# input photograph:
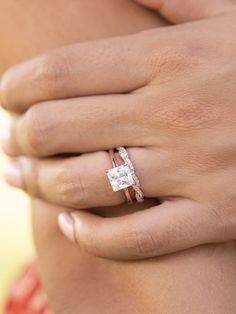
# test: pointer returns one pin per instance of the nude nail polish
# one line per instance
(6, 141)
(67, 226)
(13, 174)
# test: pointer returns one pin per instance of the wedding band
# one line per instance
(112, 173)
(136, 186)
(123, 176)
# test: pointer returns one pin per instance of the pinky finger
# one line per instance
(172, 226)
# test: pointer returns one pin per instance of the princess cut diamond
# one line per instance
(120, 177)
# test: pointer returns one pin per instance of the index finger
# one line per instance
(114, 65)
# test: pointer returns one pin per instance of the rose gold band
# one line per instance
(136, 186)
(115, 164)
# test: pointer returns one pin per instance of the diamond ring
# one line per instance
(123, 176)
(119, 177)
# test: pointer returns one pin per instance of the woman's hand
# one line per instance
(169, 95)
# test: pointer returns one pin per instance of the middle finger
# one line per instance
(77, 125)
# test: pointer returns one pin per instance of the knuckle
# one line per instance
(37, 132)
(185, 108)
(174, 60)
(71, 188)
(189, 113)
(183, 112)
(49, 74)
(185, 56)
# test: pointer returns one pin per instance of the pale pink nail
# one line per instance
(67, 226)
(6, 140)
(13, 173)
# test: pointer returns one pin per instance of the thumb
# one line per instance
(182, 11)
(166, 228)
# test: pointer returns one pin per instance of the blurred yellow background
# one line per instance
(16, 247)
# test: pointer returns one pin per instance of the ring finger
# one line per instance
(81, 182)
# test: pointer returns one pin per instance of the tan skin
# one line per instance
(79, 283)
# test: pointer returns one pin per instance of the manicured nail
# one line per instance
(67, 226)
(6, 140)
(13, 174)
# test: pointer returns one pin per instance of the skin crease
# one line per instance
(78, 283)
(164, 98)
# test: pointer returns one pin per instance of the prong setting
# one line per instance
(120, 177)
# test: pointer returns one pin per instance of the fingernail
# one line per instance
(67, 226)
(6, 140)
(13, 173)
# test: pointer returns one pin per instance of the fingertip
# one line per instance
(13, 88)
(1, 102)
(4, 85)
(6, 140)
(13, 174)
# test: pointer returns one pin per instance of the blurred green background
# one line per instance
(16, 248)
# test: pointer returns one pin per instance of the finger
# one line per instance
(114, 65)
(77, 125)
(76, 182)
(172, 226)
(182, 11)
(82, 182)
